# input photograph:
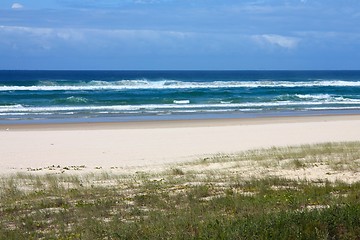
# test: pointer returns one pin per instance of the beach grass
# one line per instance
(259, 194)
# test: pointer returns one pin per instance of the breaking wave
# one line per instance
(174, 84)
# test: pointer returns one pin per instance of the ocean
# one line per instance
(97, 96)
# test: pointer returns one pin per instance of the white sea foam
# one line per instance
(327, 98)
(181, 101)
(315, 96)
(11, 106)
(20, 114)
(74, 99)
(26, 113)
(170, 107)
(172, 84)
(332, 108)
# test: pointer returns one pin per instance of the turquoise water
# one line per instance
(135, 95)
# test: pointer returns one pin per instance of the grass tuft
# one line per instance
(177, 171)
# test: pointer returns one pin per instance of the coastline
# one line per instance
(139, 123)
(120, 146)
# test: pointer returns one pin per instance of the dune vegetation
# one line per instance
(301, 192)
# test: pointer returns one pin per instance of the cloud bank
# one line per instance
(202, 34)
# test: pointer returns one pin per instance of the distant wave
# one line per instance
(314, 96)
(173, 84)
(13, 106)
(325, 98)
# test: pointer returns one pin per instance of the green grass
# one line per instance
(208, 199)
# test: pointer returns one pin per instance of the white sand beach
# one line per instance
(155, 143)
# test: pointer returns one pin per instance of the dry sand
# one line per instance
(150, 144)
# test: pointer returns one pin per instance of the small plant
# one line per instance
(297, 163)
(177, 171)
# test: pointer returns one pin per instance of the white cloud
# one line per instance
(42, 32)
(78, 33)
(17, 6)
(43, 38)
(277, 40)
(47, 38)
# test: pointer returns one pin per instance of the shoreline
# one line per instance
(177, 123)
(177, 117)
(151, 144)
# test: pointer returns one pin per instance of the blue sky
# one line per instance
(180, 34)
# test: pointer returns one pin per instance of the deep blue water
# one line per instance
(134, 95)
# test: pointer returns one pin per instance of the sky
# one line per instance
(180, 34)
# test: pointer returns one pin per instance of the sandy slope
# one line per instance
(122, 145)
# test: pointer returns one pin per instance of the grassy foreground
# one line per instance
(249, 195)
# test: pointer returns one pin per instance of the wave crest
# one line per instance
(73, 100)
(174, 84)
